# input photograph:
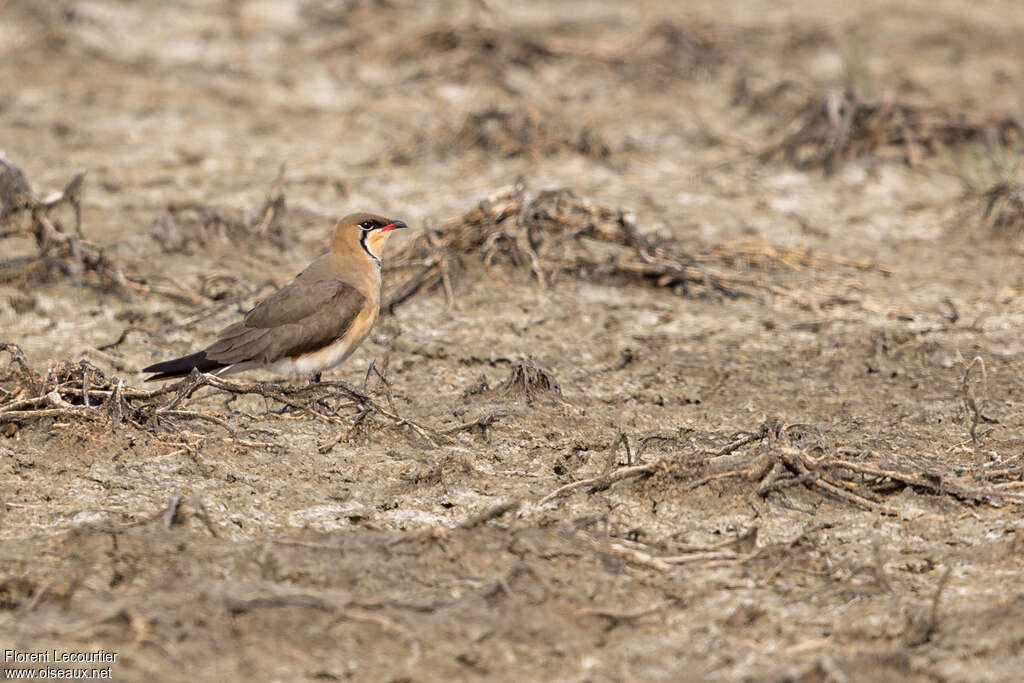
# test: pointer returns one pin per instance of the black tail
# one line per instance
(179, 367)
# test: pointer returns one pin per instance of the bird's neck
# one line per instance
(354, 266)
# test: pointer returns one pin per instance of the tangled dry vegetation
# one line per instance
(778, 455)
(60, 248)
(827, 130)
(1004, 210)
(77, 395)
(651, 57)
(525, 132)
(556, 235)
(506, 132)
(529, 380)
(193, 227)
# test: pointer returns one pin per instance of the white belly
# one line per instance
(331, 355)
(318, 361)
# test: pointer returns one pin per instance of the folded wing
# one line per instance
(303, 317)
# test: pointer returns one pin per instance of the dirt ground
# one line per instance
(707, 417)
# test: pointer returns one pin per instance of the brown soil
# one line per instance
(706, 415)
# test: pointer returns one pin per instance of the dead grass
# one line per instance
(1004, 210)
(528, 380)
(530, 132)
(661, 54)
(667, 52)
(191, 228)
(826, 131)
(525, 131)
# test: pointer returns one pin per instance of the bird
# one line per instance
(311, 324)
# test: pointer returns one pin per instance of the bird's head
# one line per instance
(365, 232)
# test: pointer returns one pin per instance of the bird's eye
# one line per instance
(366, 225)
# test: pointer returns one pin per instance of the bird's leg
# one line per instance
(366, 380)
(231, 399)
(314, 379)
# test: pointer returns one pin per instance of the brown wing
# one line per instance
(304, 316)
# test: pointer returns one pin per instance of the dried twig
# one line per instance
(974, 393)
(604, 481)
(921, 628)
(171, 511)
(490, 514)
(482, 423)
(314, 392)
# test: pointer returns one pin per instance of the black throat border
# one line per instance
(366, 248)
